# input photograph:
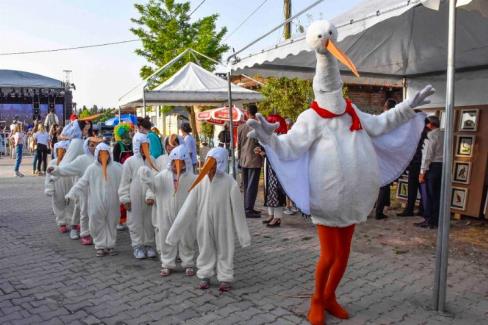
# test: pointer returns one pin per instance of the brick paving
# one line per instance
(46, 278)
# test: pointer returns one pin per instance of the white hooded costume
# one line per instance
(57, 187)
(161, 188)
(76, 169)
(329, 170)
(217, 207)
(132, 191)
(103, 207)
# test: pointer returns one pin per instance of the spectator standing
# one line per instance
(51, 120)
(155, 145)
(431, 172)
(41, 140)
(53, 136)
(18, 141)
(191, 144)
(251, 163)
(224, 137)
(33, 147)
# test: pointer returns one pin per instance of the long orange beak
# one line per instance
(341, 56)
(60, 154)
(209, 164)
(104, 156)
(179, 168)
(147, 155)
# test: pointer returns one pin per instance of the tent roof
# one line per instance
(23, 79)
(387, 39)
(191, 85)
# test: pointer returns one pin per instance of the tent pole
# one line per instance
(231, 127)
(144, 101)
(445, 199)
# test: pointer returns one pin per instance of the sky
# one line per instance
(102, 75)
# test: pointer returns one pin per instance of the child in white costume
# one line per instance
(77, 168)
(102, 180)
(217, 207)
(57, 187)
(169, 189)
(132, 194)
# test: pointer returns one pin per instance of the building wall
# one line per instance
(371, 98)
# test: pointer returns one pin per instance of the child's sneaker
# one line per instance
(204, 284)
(225, 287)
(86, 240)
(164, 272)
(139, 253)
(189, 271)
(150, 252)
(63, 229)
(74, 233)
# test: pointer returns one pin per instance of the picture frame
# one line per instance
(442, 119)
(465, 145)
(468, 120)
(459, 198)
(402, 189)
(461, 172)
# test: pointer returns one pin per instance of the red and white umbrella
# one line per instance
(220, 116)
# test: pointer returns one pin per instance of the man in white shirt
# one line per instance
(431, 171)
(50, 120)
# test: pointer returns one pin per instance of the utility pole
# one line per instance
(287, 12)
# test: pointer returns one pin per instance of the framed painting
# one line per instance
(402, 189)
(468, 120)
(459, 198)
(461, 172)
(464, 145)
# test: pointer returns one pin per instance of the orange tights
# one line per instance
(335, 245)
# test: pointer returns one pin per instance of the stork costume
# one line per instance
(335, 158)
(132, 194)
(77, 168)
(170, 189)
(101, 179)
(57, 188)
(217, 207)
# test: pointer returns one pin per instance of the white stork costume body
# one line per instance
(101, 180)
(169, 190)
(132, 192)
(334, 159)
(217, 208)
(57, 187)
(77, 168)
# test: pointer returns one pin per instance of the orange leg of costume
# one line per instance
(335, 245)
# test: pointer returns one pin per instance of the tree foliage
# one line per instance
(285, 96)
(85, 112)
(165, 30)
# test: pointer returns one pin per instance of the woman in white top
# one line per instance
(41, 139)
(18, 138)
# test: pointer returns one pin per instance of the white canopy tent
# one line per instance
(191, 85)
(408, 40)
(389, 40)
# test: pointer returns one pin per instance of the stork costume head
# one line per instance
(102, 156)
(140, 147)
(216, 163)
(180, 163)
(90, 144)
(60, 149)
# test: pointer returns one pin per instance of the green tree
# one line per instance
(165, 30)
(85, 112)
(285, 96)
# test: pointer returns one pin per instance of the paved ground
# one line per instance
(47, 278)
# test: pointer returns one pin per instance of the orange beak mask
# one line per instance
(341, 56)
(210, 164)
(147, 155)
(104, 157)
(179, 167)
(60, 154)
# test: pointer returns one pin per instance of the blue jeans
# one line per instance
(34, 161)
(18, 153)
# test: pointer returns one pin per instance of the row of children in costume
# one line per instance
(168, 206)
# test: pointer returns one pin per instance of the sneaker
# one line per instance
(204, 284)
(63, 229)
(164, 272)
(139, 253)
(19, 174)
(150, 252)
(74, 233)
(189, 271)
(225, 286)
(100, 252)
(121, 227)
(86, 240)
(288, 212)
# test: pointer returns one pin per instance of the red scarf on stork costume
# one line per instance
(324, 113)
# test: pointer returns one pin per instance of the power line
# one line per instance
(201, 3)
(246, 19)
(69, 48)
